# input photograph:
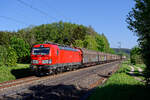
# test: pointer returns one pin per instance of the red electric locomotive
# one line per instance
(53, 58)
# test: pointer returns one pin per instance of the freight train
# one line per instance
(51, 58)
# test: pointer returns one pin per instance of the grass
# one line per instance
(136, 71)
(15, 72)
(121, 86)
(142, 66)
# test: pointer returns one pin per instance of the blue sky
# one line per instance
(105, 16)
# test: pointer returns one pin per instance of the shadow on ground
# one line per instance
(21, 73)
(70, 92)
(55, 92)
(121, 92)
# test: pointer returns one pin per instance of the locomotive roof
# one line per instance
(62, 47)
(67, 48)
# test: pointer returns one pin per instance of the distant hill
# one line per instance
(124, 50)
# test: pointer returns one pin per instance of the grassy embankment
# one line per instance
(122, 86)
(15, 72)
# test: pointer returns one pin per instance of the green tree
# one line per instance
(3, 55)
(100, 41)
(22, 49)
(65, 33)
(5, 36)
(91, 31)
(135, 56)
(78, 43)
(11, 57)
(103, 44)
(28, 35)
(106, 44)
(90, 43)
(139, 22)
(111, 51)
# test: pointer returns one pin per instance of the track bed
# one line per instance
(69, 85)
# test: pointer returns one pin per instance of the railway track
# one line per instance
(21, 86)
(15, 82)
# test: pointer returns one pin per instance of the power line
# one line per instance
(12, 19)
(36, 9)
(56, 10)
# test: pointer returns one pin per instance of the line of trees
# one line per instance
(15, 46)
(139, 22)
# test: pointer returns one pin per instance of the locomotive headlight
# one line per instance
(45, 61)
(50, 61)
(35, 61)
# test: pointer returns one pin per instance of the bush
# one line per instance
(135, 56)
(3, 54)
(90, 43)
(21, 48)
(11, 57)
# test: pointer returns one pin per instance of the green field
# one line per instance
(122, 86)
(15, 72)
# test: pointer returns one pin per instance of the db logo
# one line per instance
(40, 58)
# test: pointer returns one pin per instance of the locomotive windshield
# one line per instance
(41, 51)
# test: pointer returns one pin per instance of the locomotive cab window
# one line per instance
(40, 51)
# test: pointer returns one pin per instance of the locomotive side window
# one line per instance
(41, 51)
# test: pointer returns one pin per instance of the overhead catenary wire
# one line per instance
(36, 9)
(56, 10)
(13, 19)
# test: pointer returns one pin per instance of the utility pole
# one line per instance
(119, 45)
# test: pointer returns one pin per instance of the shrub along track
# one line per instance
(68, 85)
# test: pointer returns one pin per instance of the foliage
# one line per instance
(57, 32)
(111, 51)
(27, 35)
(66, 33)
(90, 43)
(12, 73)
(78, 43)
(21, 48)
(102, 42)
(122, 50)
(135, 56)
(121, 86)
(142, 66)
(3, 55)
(4, 37)
(138, 20)
(11, 59)
(8, 56)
